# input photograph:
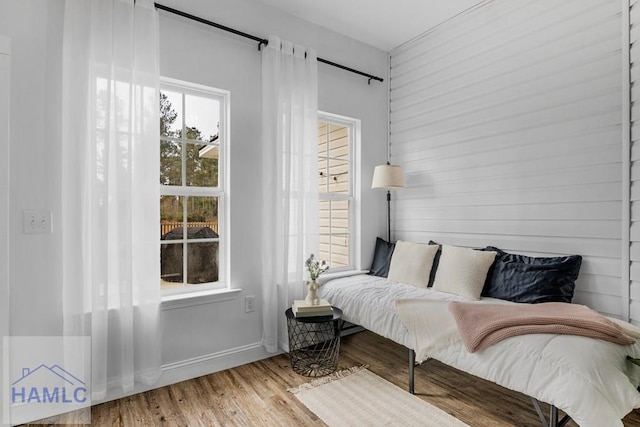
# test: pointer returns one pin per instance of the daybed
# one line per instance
(590, 380)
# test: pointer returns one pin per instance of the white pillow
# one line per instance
(462, 271)
(411, 263)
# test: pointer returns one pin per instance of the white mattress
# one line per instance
(369, 302)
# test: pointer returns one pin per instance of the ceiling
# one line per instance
(379, 23)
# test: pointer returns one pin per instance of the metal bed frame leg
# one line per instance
(412, 364)
(553, 416)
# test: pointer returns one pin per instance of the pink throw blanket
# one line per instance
(481, 325)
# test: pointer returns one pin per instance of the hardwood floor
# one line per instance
(256, 394)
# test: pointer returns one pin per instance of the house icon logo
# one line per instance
(48, 384)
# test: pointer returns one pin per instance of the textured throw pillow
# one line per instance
(526, 279)
(381, 258)
(411, 263)
(463, 271)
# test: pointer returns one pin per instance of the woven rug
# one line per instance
(358, 397)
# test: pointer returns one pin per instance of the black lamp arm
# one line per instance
(389, 215)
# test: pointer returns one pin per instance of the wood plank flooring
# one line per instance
(256, 394)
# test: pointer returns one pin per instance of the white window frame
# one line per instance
(221, 191)
(354, 126)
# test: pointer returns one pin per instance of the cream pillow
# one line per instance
(462, 271)
(411, 263)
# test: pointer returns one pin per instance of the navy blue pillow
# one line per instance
(521, 278)
(382, 258)
(434, 266)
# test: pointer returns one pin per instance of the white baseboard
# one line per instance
(184, 370)
(192, 368)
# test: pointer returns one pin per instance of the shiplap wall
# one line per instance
(634, 59)
(507, 122)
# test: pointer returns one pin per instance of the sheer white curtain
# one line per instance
(289, 179)
(110, 188)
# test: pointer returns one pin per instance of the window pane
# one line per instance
(170, 114)
(323, 175)
(340, 216)
(171, 265)
(322, 139)
(324, 217)
(338, 142)
(171, 227)
(325, 249)
(202, 217)
(339, 250)
(333, 158)
(202, 170)
(170, 163)
(338, 176)
(202, 118)
(121, 95)
(334, 232)
(202, 265)
(102, 103)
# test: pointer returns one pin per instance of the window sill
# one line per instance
(190, 299)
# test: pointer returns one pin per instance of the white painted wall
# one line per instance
(207, 337)
(507, 121)
(5, 68)
(204, 55)
(34, 275)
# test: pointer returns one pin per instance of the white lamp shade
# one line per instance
(388, 177)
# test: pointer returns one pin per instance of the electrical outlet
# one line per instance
(249, 303)
(36, 221)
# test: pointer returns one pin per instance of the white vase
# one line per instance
(312, 295)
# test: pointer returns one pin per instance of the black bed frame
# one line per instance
(552, 421)
(347, 328)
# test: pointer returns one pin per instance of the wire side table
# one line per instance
(314, 343)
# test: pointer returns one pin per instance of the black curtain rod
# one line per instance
(261, 41)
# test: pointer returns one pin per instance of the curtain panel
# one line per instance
(110, 188)
(289, 179)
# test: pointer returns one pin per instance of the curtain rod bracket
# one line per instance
(262, 42)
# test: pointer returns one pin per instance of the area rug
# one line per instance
(358, 397)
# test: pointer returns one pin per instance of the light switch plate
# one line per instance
(249, 304)
(36, 221)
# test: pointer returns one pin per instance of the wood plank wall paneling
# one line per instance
(507, 122)
(634, 254)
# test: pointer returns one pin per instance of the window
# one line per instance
(337, 137)
(193, 139)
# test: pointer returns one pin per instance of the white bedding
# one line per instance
(366, 301)
(588, 379)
